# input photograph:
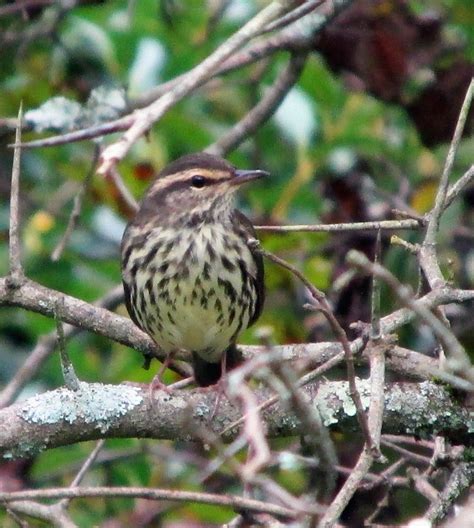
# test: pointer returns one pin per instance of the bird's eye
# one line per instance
(198, 181)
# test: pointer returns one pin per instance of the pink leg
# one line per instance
(220, 385)
(156, 382)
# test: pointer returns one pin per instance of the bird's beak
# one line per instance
(243, 176)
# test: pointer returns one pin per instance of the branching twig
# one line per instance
(462, 364)
(145, 118)
(440, 200)
(323, 305)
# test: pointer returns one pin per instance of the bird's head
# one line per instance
(195, 185)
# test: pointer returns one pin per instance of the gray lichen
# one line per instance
(93, 403)
(332, 403)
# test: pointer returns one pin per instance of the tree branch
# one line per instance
(145, 118)
(262, 110)
(62, 417)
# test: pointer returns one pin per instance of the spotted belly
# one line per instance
(195, 292)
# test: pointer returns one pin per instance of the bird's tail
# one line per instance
(206, 373)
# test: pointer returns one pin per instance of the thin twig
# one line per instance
(317, 437)
(375, 332)
(459, 186)
(292, 16)
(460, 361)
(428, 257)
(145, 118)
(84, 469)
(69, 374)
(440, 200)
(230, 501)
(262, 110)
(366, 458)
(76, 209)
(16, 269)
(125, 194)
(409, 455)
(341, 335)
(353, 226)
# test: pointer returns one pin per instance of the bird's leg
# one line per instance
(156, 382)
(220, 385)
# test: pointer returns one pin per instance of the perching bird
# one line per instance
(191, 279)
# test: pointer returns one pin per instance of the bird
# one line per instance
(193, 279)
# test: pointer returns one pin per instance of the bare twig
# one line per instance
(230, 501)
(117, 125)
(383, 225)
(461, 479)
(316, 435)
(375, 421)
(125, 194)
(409, 455)
(461, 364)
(375, 332)
(262, 110)
(440, 200)
(84, 469)
(69, 374)
(52, 514)
(428, 258)
(326, 310)
(16, 269)
(76, 209)
(459, 186)
(292, 16)
(145, 118)
(259, 452)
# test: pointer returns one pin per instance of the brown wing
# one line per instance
(243, 224)
(126, 250)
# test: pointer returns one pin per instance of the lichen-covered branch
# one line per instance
(62, 417)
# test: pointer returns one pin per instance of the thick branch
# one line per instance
(62, 417)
